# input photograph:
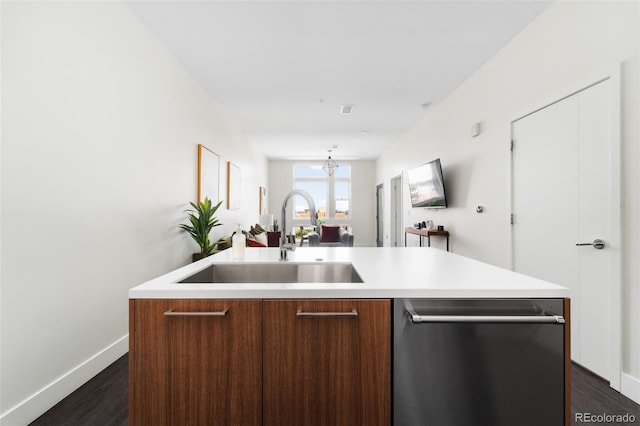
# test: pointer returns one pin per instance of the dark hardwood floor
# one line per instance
(592, 394)
(103, 400)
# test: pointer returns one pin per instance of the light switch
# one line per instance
(476, 129)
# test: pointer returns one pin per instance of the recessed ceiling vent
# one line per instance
(346, 109)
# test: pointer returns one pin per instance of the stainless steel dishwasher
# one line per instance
(487, 362)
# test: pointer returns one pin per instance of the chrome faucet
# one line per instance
(284, 245)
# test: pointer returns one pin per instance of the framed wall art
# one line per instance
(262, 200)
(208, 174)
(233, 186)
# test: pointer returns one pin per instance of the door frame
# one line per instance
(612, 73)
(395, 219)
(380, 217)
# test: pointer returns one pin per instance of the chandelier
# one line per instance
(330, 166)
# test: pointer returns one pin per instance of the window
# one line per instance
(332, 194)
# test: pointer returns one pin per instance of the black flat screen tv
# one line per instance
(426, 186)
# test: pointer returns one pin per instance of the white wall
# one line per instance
(566, 45)
(100, 127)
(363, 193)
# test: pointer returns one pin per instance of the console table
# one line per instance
(426, 233)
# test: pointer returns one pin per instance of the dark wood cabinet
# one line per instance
(195, 362)
(254, 362)
(326, 362)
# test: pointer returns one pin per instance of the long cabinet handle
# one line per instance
(509, 319)
(352, 313)
(172, 313)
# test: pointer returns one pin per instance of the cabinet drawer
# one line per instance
(326, 362)
(196, 362)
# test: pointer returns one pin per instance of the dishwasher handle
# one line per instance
(498, 319)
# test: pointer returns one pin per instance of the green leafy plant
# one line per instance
(202, 220)
(275, 224)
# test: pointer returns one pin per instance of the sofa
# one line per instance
(331, 236)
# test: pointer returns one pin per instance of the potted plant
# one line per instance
(202, 220)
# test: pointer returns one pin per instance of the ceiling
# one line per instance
(283, 69)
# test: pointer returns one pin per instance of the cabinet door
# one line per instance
(322, 367)
(196, 362)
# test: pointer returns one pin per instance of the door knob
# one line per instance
(597, 244)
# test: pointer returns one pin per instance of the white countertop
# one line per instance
(389, 272)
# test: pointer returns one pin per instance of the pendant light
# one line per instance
(330, 166)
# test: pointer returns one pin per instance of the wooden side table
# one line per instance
(426, 233)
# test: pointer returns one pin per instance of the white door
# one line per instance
(561, 167)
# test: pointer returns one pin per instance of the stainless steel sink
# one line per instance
(276, 273)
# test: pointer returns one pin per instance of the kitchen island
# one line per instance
(215, 347)
(387, 272)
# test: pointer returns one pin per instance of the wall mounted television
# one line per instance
(426, 186)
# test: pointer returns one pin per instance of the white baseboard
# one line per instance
(630, 387)
(41, 401)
